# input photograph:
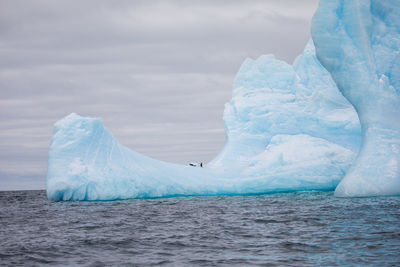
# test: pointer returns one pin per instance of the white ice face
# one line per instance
(288, 128)
(271, 97)
(359, 44)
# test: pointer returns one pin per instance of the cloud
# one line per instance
(157, 72)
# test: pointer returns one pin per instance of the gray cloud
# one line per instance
(157, 72)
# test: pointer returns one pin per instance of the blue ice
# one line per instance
(359, 44)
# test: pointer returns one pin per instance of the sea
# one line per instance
(292, 229)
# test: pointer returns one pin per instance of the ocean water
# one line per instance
(296, 229)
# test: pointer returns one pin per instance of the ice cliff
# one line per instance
(359, 43)
(288, 128)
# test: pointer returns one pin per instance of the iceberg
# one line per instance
(358, 42)
(288, 128)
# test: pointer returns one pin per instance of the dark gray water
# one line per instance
(297, 229)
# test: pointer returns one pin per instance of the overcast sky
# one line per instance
(157, 72)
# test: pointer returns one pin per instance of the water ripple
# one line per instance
(307, 229)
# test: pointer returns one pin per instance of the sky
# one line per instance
(158, 72)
